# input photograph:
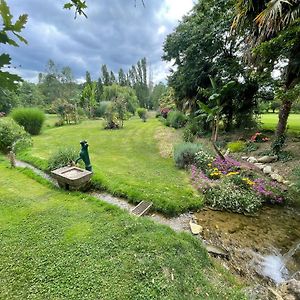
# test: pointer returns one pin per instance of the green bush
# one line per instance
(62, 157)
(31, 119)
(12, 136)
(185, 154)
(142, 113)
(237, 146)
(228, 196)
(188, 135)
(101, 109)
(176, 119)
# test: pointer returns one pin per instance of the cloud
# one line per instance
(116, 33)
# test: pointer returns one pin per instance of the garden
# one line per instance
(210, 156)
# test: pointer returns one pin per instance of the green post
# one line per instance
(84, 155)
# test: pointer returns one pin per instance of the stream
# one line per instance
(264, 250)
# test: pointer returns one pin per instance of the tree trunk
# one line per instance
(283, 117)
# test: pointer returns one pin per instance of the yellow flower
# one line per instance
(209, 165)
(232, 173)
(248, 181)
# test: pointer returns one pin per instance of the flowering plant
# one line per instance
(164, 112)
(259, 137)
(226, 166)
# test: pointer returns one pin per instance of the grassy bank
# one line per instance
(56, 245)
(126, 162)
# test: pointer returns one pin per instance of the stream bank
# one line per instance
(255, 243)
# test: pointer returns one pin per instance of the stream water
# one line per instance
(264, 248)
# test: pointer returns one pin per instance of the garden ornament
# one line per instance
(84, 155)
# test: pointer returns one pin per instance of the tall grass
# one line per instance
(31, 119)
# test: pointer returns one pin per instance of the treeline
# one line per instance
(57, 89)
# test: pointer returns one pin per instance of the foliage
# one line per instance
(188, 135)
(12, 136)
(31, 119)
(237, 146)
(8, 28)
(296, 174)
(185, 154)
(250, 147)
(157, 93)
(227, 196)
(88, 98)
(142, 113)
(111, 118)
(101, 109)
(62, 157)
(111, 92)
(164, 112)
(203, 159)
(66, 111)
(278, 144)
(176, 119)
(167, 99)
(259, 137)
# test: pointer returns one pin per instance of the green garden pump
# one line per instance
(84, 155)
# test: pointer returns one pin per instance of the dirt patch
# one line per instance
(167, 138)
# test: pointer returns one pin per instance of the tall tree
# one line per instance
(112, 77)
(105, 75)
(122, 78)
(99, 90)
(272, 34)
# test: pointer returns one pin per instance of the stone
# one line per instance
(260, 165)
(277, 177)
(286, 182)
(244, 157)
(267, 169)
(267, 159)
(195, 228)
(252, 160)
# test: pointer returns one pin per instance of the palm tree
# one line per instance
(267, 20)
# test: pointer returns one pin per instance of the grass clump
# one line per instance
(185, 154)
(176, 119)
(62, 157)
(31, 119)
(237, 146)
(12, 136)
(142, 113)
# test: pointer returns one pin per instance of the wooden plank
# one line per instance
(142, 208)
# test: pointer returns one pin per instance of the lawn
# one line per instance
(269, 121)
(126, 162)
(59, 245)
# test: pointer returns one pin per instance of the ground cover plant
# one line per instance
(71, 246)
(126, 162)
(228, 184)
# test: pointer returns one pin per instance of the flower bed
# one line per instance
(228, 184)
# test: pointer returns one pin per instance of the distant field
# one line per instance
(269, 121)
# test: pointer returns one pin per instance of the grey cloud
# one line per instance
(116, 33)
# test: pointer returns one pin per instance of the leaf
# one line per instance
(68, 6)
(4, 60)
(21, 38)
(9, 81)
(5, 13)
(3, 38)
(20, 24)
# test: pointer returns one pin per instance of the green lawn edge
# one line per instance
(65, 245)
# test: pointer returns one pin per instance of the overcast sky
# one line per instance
(115, 33)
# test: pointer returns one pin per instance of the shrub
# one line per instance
(203, 160)
(185, 154)
(188, 135)
(12, 136)
(101, 109)
(227, 196)
(177, 119)
(31, 119)
(62, 157)
(237, 146)
(142, 113)
(164, 112)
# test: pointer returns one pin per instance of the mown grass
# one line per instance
(126, 162)
(269, 122)
(57, 245)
